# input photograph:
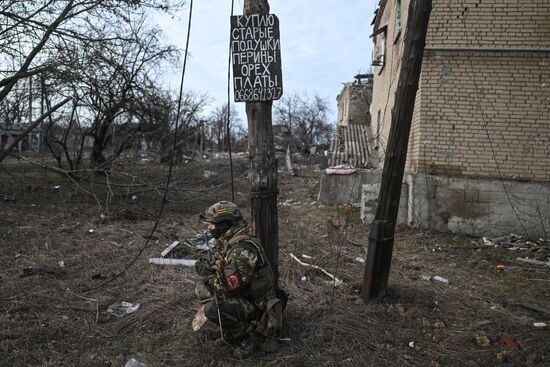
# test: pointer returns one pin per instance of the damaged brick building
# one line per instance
(479, 149)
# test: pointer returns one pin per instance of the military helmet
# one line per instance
(222, 211)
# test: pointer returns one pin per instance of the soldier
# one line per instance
(236, 286)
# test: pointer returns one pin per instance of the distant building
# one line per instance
(9, 133)
(350, 144)
(479, 150)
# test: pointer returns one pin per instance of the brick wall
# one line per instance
(484, 114)
(490, 23)
(477, 113)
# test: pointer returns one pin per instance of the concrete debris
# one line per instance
(164, 261)
(336, 280)
(441, 279)
(208, 174)
(290, 202)
(132, 362)
(437, 278)
(123, 308)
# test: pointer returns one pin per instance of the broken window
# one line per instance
(379, 50)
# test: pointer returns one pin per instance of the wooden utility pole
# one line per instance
(263, 166)
(377, 267)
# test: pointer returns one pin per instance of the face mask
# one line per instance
(220, 229)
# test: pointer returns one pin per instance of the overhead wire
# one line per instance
(164, 199)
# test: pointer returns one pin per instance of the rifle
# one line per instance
(212, 261)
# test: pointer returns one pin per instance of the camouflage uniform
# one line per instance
(243, 280)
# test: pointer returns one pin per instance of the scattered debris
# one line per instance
(483, 341)
(307, 257)
(412, 344)
(208, 174)
(97, 276)
(506, 341)
(123, 308)
(336, 280)
(340, 170)
(360, 259)
(9, 197)
(435, 278)
(169, 248)
(56, 187)
(164, 261)
(540, 325)
(61, 264)
(132, 362)
(499, 266)
(441, 279)
(134, 197)
(304, 278)
(91, 230)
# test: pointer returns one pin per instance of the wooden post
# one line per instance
(263, 166)
(377, 267)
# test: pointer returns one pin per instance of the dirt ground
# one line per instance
(65, 254)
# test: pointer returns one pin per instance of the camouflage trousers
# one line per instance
(237, 316)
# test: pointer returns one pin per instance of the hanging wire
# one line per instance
(159, 215)
(229, 107)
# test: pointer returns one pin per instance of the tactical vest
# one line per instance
(261, 285)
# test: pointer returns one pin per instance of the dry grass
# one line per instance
(49, 319)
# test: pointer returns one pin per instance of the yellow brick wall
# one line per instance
(485, 114)
(465, 95)
(490, 23)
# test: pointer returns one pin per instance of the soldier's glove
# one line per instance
(203, 268)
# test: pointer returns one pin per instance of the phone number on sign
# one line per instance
(258, 94)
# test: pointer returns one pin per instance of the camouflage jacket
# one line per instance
(244, 271)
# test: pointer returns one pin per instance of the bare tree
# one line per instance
(217, 124)
(301, 122)
(37, 38)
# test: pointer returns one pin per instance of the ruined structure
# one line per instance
(351, 141)
(479, 149)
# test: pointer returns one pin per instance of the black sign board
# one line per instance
(256, 58)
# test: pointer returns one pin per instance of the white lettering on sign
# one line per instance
(256, 57)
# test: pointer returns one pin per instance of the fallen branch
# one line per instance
(336, 280)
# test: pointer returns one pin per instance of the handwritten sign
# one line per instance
(256, 58)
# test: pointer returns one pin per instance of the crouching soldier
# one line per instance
(236, 286)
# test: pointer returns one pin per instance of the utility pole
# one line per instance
(377, 267)
(263, 166)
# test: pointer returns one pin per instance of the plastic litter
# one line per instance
(123, 308)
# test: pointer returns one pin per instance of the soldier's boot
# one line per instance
(247, 347)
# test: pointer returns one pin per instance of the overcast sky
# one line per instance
(323, 44)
